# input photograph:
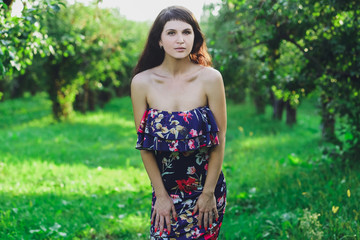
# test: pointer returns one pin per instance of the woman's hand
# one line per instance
(163, 209)
(206, 205)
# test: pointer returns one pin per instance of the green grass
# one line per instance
(83, 179)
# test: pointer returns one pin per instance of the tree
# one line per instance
(326, 33)
(20, 38)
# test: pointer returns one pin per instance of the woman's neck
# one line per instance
(175, 67)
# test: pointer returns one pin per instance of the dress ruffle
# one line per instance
(172, 131)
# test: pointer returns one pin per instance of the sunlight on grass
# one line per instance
(262, 142)
(105, 119)
(36, 177)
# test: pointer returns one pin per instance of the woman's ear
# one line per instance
(160, 44)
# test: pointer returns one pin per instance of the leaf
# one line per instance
(55, 227)
(55, 7)
(160, 134)
(166, 173)
(2, 70)
(348, 136)
(3, 5)
(270, 222)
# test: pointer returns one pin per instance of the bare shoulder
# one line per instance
(141, 80)
(210, 77)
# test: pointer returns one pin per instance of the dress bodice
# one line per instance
(177, 131)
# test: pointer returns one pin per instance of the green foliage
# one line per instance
(80, 56)
(222, 44)
(99, 53)
(297, 47)
(21, 38)
(87, 58)
(311, 226)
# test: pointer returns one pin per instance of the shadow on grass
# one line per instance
(20, 111)
(104, 138)
(93, 145)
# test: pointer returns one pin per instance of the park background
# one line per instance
(68, 167)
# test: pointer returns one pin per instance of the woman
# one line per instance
(180, 115)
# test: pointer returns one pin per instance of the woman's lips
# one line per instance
(180, 49)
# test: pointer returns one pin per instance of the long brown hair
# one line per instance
(153, 55)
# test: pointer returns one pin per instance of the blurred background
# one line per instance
(68, 168)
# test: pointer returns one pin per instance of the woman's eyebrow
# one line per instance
(186, 29)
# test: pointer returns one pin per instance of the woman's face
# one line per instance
(177, 39)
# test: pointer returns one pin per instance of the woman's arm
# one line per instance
(206, 204)
(164, 204)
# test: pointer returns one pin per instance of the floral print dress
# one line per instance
(182, 142)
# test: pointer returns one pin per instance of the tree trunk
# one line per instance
(81, 100)
(61, 106)
(104, 96)
(18, 86)
(260, 104)
(278, 106)
(290, 114)
(327, 119)
(122, 91)
(2, 89)
(91, 99)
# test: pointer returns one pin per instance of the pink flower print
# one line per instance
(220, 201)
(191, 170)
(142, 122)
(173, 146)
(152, 112)
(176, 198)
(186, 115)
(196, 233)
(193, 133)
(214, 140)
(213, 235)
(191, 144)
(206, 167)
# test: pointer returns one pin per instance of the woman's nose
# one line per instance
(180, 39)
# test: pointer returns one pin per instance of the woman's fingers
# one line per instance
(207, 211)
(195, 209)
(168, 223)
(161, 225)
(157, 219)
(206, 220)
(153, 217)
(200, 219)
(211, 218)
(174, 214)
(216, 215)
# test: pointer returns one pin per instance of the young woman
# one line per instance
(180, 116)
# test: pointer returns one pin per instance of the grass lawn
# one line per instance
(83, 179)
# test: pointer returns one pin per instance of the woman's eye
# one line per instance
(171, 33)
(187, 32)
